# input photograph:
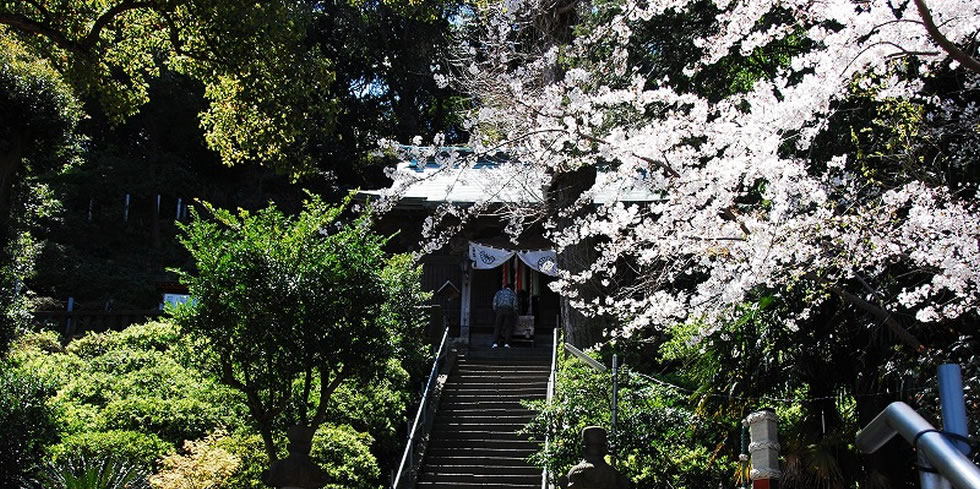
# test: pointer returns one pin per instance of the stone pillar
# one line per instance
(764, 448)
(464, 302)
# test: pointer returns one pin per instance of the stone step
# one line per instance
(500, 387)
(466, 478)
(483, 444)
(442, 425)
(475, 435)
(477, 382)
(474, 442)
(493, 460)
(476, 467)
(471, 366)
(447, 449)
(483, 418)
(475, 485)
(465, 398)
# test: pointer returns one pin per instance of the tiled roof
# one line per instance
(495, 179)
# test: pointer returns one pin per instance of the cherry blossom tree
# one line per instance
(742, 138)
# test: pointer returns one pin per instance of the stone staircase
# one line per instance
(474, 441)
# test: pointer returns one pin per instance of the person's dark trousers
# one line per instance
(504, 324)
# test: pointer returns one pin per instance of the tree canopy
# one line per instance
(809, 228)
(294, 307)
(267, 88)
(763, 178)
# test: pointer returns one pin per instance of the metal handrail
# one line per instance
(409, 453)
(550, 394)
(899, 418)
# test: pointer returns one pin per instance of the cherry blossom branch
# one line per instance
(953, 50)
(883, 315)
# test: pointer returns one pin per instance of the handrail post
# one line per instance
(900, 419)
(550, 394)
(409, 453)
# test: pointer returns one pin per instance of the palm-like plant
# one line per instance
(83, 472)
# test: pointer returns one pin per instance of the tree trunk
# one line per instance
(9, 162)
(892, 461)
(565, 189)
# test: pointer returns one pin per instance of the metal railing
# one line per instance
(550, 394)
(421, 417)
(899, 418)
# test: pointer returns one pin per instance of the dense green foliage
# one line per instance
(45, 139)
(292, 308)
(86, 472)
(662, 440)
(134, 395)
(27, 424)
(130, 400)
(379, 87)
(261, 108)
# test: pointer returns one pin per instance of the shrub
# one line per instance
(26, 424)
(204, 465)
(126, 446)
(661, 441)
(346, 456)
(250, 451)
(112, 386)
(152, 336)
(173, 420)
(86, 472)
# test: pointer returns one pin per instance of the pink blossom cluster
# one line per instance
(814, 220)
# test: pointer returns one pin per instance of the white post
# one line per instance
(179, 202)
(764, 449)
(71, 306)
(126, 210)
(158, 204)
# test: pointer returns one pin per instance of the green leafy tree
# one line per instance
(27, 424)
(293, 307)
(265, 87)
(38, 132)
(263, 83)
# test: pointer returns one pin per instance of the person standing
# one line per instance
(505, 315)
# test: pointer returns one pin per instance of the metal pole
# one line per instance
(953, 405)
(615, 402)
(899, 418)
(927, 479)
(409, 455)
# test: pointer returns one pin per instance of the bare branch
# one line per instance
(326, 390)
(92, 38)
(26, 24)
(953, 50)
(885, 316)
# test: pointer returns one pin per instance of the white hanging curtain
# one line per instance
(486, 257)
(541, 260)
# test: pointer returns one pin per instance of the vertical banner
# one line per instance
(518, 276)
